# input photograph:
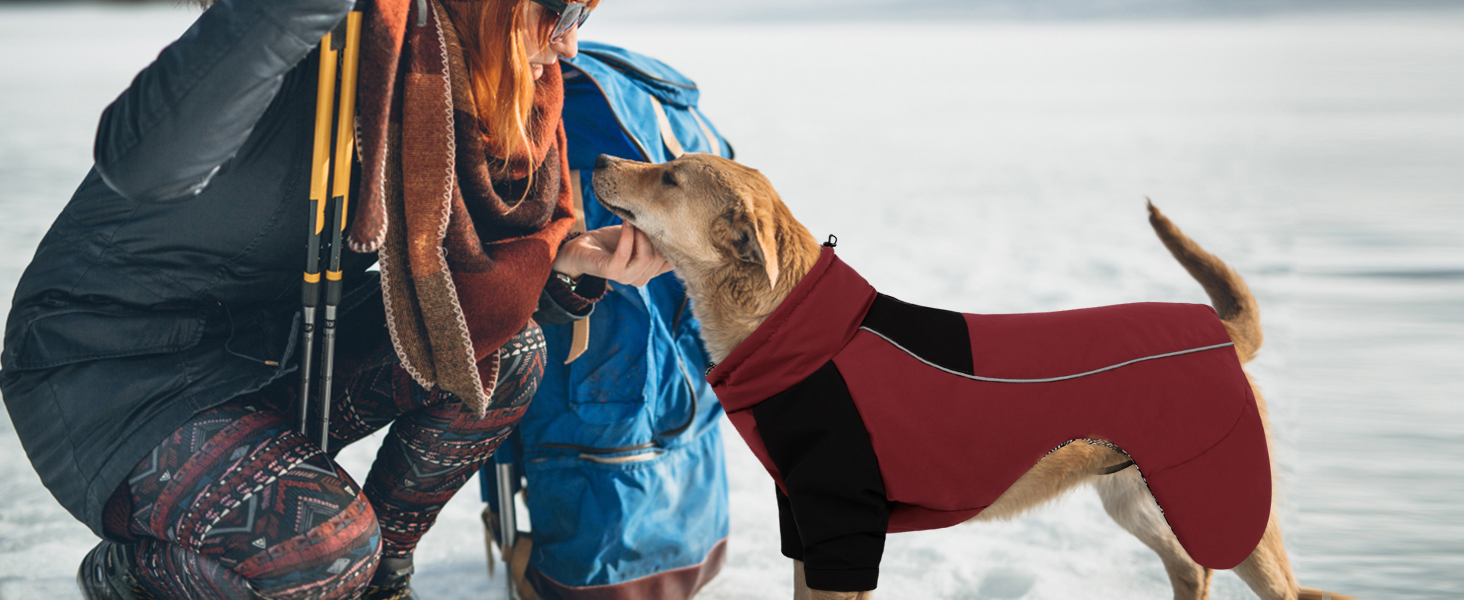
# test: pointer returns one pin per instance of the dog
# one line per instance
(740, 253)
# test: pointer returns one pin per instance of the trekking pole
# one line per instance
(503, 470)
(319, 178)
(340, 196)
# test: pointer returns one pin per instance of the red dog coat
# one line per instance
(874, 416)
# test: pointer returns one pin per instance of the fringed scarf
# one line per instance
(465, 248)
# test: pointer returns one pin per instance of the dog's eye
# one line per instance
(668, 179)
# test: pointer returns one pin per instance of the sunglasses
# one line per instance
(570, 15)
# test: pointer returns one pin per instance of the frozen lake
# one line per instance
(1002, 167)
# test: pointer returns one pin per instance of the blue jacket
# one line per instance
(621, 448)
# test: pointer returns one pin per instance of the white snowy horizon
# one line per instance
(998, 166)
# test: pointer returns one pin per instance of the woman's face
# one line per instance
(541, 53)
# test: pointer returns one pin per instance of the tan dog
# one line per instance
(740, 252)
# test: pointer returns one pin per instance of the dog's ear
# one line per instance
(753, 241)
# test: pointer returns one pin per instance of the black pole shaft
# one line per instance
(328, 331)
(319, 180)
(349, 32)
(310, 299)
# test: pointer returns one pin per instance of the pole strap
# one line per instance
(518, 566)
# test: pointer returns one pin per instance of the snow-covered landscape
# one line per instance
(989, 165)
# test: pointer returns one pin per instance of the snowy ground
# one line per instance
(1001, 167)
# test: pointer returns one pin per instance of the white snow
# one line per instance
(1002, 167)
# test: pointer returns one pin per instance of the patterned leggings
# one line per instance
(236, 504)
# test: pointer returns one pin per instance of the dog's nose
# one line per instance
(603, 161)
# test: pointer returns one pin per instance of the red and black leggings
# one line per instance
(238, 504)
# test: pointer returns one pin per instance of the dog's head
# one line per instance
(703, 212)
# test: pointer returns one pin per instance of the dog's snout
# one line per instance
(603, 161)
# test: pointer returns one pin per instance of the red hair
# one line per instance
(496, 49)
(495, 40)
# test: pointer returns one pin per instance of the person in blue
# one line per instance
(149, 351)
(620, 453)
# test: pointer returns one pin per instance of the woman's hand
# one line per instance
(619, 253)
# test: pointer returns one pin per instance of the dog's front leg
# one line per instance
(802, 592)
(800, 587)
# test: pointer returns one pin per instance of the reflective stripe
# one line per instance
(1048, 379)
(620, 460)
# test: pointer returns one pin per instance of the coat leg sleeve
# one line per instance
(817, 440)
(788, 527)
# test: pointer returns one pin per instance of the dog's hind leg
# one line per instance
(1267, 570)
(1127, 500)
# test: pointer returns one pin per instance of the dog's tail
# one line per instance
(1229, 295)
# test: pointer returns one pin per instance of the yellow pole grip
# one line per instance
(324, 111)
(346, 128)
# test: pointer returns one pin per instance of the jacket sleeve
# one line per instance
(189, 112)
(835, 494)
(558, 304)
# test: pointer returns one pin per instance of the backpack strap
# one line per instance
(581, 339)
(667, 135)
(712, 143)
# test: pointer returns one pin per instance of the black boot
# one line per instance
(106, 574)
(392, 581)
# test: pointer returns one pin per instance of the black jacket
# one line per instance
(171, 281)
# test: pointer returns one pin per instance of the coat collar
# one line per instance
(815, 322)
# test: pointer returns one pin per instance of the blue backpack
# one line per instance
(620, 450)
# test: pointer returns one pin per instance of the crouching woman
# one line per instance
(150, 347)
